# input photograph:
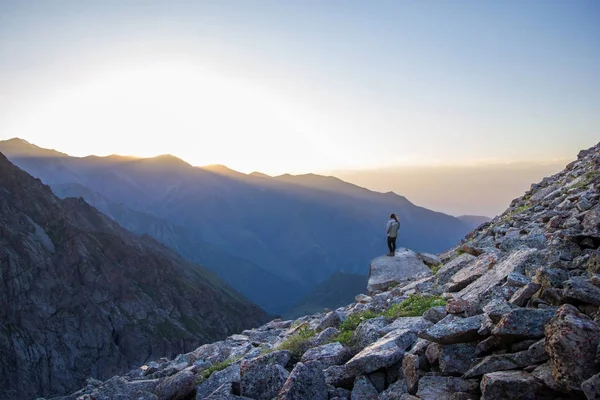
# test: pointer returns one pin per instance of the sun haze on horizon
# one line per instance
(306, 87)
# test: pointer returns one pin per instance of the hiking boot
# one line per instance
(390, 254)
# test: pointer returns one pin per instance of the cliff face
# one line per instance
(80, 296)
(511, 312)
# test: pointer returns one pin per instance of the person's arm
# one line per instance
(387, 228)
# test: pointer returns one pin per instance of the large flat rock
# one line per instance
(479, 290)
(387, 271)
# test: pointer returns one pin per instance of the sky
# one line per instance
(307, 86)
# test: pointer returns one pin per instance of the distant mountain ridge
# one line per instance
(294, 230)
(80, 296)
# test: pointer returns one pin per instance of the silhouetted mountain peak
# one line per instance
(18, 147)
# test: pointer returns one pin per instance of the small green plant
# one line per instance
(215, 368)
(295, 344)
(414, 306)
(434, 269)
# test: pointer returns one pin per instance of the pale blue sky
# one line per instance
(282, 86)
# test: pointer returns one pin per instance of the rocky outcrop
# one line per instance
(521, 320)
(81, 297)
(404, 266)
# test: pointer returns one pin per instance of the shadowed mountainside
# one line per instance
(81, 296)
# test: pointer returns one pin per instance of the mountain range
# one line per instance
(80, 296)
(271, 238)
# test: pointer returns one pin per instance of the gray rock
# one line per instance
(572, 340)
(330, 320)
(523, 323)
(413, 324)
(510, 385)
(386, 271)
(433, 353)
(413, 369)
(516, 279)
(178, 386)
(340, 376)
(472, 272)
(591, 387)
(263, 377)
(370, 331)
(455, 359)
(383, 353)
(497, 308)
(535, 354)
(452, 267)
(580, 289)
(522, 295)
(378, 379)
(327, 355)
(544, 374)
(454, 329)
(435, 314)
(217, 379)
(551, 277)
(436, 387)
(364, 389)
(430, 260)
(306, 381)
(395, 391)
(480, 290)
(339, 393)
(223, 392)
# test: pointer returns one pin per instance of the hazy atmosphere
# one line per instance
(296, 87)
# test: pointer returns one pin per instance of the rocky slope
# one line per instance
(81, 296)
(512, 312)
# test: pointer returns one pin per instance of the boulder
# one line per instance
(591, 387)
(455, 359)
(523, 323)
(581, 290)
(306, 381)
(263, 377)
(522, 295)
(395, 391)
(517, 279)
(413, 324)
(364, 389)
(223, 392)
(178, 386)
(453, 329)
(385, 352)
(497, 308)
(510, 385)
(443, 276)
(386, 272)
(413, 369)
(472, 272)
(481, 289)
(551, 277)
(535, 354)
(430, 260)
(572, 340)
(340, 376)
(369, 331)
(436, 387)
(327, 355)
(435, 314)
(217, 379)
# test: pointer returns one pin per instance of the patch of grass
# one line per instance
(414, 306)
(434, 269)
(295, 343)
(215, 368)
(587, 179)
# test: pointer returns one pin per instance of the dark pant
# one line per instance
(392, 244)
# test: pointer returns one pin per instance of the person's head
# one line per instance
(393, 216)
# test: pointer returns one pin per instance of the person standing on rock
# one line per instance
(392, 228)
